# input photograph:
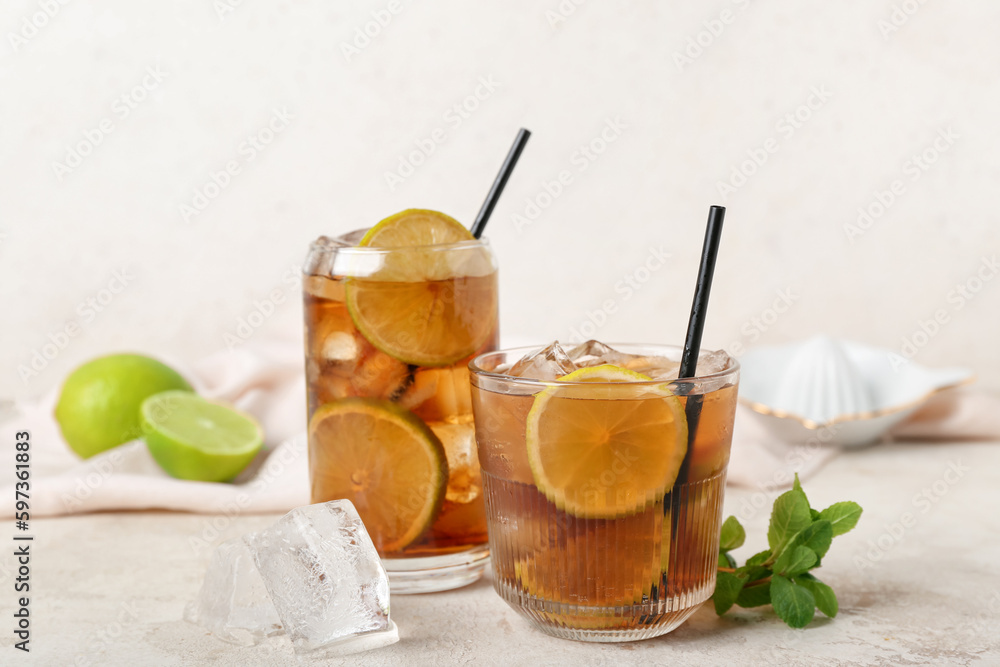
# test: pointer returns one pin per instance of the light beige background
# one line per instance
(885, 80)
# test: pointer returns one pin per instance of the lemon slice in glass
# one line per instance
(425, 305)
(599, 451)
(415, 227)
(385, 460)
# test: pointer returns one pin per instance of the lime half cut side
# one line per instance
(195, 439)
(601, 452)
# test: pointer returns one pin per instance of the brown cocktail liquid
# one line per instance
(341, 363)
(602, 579)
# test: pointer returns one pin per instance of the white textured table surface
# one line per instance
(110, 589)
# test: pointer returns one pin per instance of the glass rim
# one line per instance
(341, 244)
(476, 369)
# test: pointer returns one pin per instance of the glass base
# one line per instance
(430, 574)
(605, 624)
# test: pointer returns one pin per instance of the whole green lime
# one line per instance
(98, 406)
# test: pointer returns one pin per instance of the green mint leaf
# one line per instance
(733, 534)
(755, 595)
(797, 486)
(826, 599)
(789, 516)
(799, 537)
(725, 560)
(752, 573)
(727, 589)
(795, 561)
(818, 536)
(793, 604)
(843, 516)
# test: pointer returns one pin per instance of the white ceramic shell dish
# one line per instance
(836, 391)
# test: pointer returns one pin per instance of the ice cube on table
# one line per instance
(595, 353)
(233, 603)
(549, 363)
(325, 579)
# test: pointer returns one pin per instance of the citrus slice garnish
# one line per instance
(385, 460)
(422, 305)
(192, 438)
(600, 451)
(415, 227)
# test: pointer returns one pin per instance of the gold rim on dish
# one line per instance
(762, 409)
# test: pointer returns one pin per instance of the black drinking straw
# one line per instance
(702, 289)
(689, 360)
(501, 180)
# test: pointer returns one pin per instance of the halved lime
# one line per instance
(385, 460)
(192, 438)
(98, 405)
(418, 307)
(602, 452)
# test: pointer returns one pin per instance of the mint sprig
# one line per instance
(798, 538)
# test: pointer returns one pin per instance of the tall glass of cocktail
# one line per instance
(392, 317)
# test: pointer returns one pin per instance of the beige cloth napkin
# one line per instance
(755, 461)
(266, 380)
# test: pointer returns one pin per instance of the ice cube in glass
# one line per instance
(549, 363)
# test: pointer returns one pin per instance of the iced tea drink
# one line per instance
(392, 317)
(603, 490)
